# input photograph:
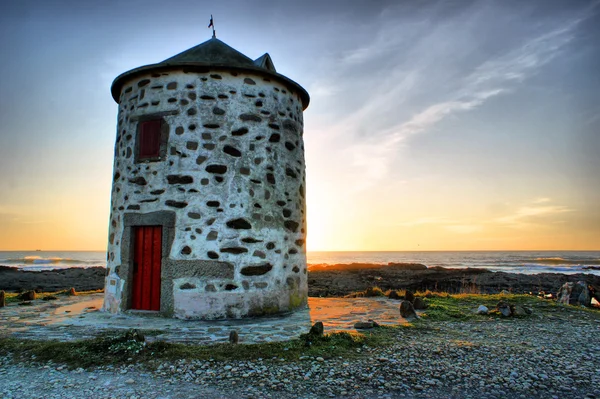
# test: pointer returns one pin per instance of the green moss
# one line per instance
(297, 300)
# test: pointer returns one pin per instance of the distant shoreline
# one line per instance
(332, 280)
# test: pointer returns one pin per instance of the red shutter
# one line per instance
(150, 139)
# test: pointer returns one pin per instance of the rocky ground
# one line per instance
(552, 354)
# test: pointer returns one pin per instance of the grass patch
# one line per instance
(131, 347)
(459, 307)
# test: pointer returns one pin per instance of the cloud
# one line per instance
(533, 213)
(404, 83)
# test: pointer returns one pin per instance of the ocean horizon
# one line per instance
(526, 262)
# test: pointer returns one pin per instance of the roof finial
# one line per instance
(212, 24)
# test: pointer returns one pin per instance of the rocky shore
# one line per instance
(343, 279)
(333, 280)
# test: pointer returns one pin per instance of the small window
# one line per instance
(149, 139)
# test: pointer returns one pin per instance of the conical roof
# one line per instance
(213, 53)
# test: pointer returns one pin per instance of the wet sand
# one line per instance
(332, 280)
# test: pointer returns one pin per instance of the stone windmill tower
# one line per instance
(208, 209)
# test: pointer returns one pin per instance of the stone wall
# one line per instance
(232, 172)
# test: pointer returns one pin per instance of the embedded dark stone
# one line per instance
(274, 126)
(140, 181)
(210, 221)
(281, 203)
(244, 171)
(290, 172)
(249, 95)
(205, 97)
(191, 145)
(194, 215)
(143, 82)
(116, 176)
(222, 96)
(172, 100)
(250, 117)
(219, 179)
(197, 230)
(250, 240)
(299, 242)
(210, 288)
(261, 284)
(179, 130)
(179, 179)
(172, 86)
(129, 152)
(204, 182)
(133, 207)
(186, 102)
(192, 127)
(187, 286)
(239, 132)
(186, 250)
(234, 152)
(275, 137)
(234, 250)
(215, 76)
(271, 178)
(293, 251)
(191, 111)
(212, 255)
(231, 287)
(212, 236)
(149, 200)
(270, 245)
(200, 160)
(206, 136)
(287, 213)
(239, 224)
(213, 204)
(290, 146)
(291, 225)
(218, 111)
(296, 269)
(209, 146)
(192, 95)
(249, 81)
(211, 125)
(175, 204)
(258, 103)
(259, 254)
(218, 169)
(258, 270)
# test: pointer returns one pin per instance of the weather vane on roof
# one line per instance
(212, 24)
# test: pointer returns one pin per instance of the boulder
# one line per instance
(27, 296)
(317, 329)
(409, 296)
(519, 310)
(363, 325)
(575, 294)
(234, 337)
(72, 292)
(407, 310)
(482, 310)
(419, 304)
(504, 309)
(2, 299)
(394, 295)
(375, 324)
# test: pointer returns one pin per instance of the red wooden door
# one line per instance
(146, 268)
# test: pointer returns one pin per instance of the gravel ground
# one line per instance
(550, 356)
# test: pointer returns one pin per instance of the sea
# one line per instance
(527, 262)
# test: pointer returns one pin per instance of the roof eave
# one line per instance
(119, 81)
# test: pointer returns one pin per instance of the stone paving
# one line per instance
(78, 317)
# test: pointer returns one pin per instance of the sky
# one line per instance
(433, 125)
